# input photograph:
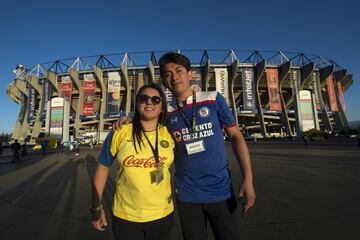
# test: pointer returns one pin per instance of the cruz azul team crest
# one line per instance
(204, 112)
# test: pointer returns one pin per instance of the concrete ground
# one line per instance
(303, 193)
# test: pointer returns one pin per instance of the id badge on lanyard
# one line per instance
(156, 176)
(197, 146)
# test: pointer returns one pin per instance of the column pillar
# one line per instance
(124, 73)
(324, 74)
(232, 76)
(259, 72)
(284, 71)
(74, 75)
(103, 103)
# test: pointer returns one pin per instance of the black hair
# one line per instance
(173, 57)
(138, 129)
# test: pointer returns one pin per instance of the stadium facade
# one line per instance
(270, 93)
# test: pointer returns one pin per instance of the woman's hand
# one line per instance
(98, 220)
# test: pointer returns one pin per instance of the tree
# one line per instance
(5, 137)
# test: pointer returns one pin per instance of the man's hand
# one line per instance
(121, 121)
(99, 222)
(241, 152)
(247, 190)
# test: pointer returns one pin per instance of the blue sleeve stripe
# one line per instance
(225, 115)
(106, 158)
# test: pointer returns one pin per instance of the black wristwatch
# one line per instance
(95, 212)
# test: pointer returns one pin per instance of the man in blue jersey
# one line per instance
(203, 185)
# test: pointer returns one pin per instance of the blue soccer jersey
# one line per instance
(202, 174)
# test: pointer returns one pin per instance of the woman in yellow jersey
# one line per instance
(144, 150)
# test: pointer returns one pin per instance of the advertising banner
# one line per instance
(221, 82)
(315, 78)
(22, 112)
(248, 86)
(113, 96)
(341, 95)
(66, 87)
(195, 82)
(46, 96)
(31, 101)
(56, 117)
(89, 86)
(331, 93)
(306, 110)
(272, 76)
(295, 80)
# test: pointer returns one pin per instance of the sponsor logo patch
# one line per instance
(173, 120)
(164, 143)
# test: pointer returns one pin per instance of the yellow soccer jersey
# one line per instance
(136, 198)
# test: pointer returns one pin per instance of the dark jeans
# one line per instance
(154, 230)
(16, 156)
(221, 216)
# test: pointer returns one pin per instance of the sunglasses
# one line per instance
(144, 99)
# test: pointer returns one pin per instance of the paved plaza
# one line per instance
(303, 193)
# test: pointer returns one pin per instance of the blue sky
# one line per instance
(33, 32)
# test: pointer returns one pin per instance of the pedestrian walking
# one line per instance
(44, 146)
(15, 148)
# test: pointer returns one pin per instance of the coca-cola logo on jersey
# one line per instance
(132, 161)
